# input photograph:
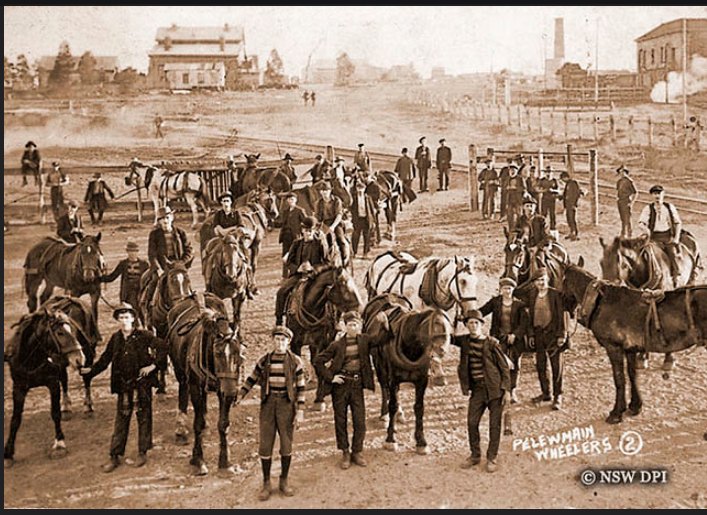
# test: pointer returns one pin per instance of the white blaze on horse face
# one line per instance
(180, 280)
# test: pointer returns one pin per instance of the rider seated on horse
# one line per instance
(228, 221)
(308, 256)
(662, 222)
(329, 211)
(69, 226)
(535, 228)
(167, 245)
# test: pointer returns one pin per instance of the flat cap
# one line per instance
(309, 223)
(656, 189)
(132, 245)
(507, 281)
(473, 314)
(124, 308)
(281, 329)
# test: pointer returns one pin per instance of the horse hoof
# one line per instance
(385, 419)
(66, 415)
(635, 411)
(668, 366)
(58, 453)
(400, 417)
(181, 439)
(390, 446)
(319, 406)
(439, 381)
(227, 472)
(201, 470)
(613, 419)
(641, 364)
(422, 451)
(507, 432)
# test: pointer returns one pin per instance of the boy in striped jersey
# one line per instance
(484, 375)
(348, 374)
(280, 375)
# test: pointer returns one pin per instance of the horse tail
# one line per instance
(204, 190)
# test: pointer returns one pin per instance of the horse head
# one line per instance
(342, 291)
(176, 284)
(91, 263)
(437, 332)
(515, 256)
(52, 330)
(252, 159)
(462, 285)
(618, 260)
(227, 352)
(232, 259)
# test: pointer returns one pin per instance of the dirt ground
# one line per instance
(671, 426)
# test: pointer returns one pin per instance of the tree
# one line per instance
(128, 80)
(344, 70)
(60, 76)
(9, 71)
(25, 75)
(274, 69)
(87, 69)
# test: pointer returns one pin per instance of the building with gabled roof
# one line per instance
(201, 57)
(106, 65)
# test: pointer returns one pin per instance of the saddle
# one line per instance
(407, 266)
(296, 310)
(428, 287)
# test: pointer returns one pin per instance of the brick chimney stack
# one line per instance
(559, 38)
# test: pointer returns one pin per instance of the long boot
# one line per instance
(285, 465)
(264, 494)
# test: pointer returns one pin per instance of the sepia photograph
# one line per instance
(355, 257)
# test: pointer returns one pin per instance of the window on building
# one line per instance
(200, 78)
(652, 56)
(662, 55)
(673, 55)
(185, 78)
(641, 59)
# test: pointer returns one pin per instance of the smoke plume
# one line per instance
(695, 81)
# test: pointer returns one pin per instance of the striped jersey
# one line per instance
(352, 363)
(476, 359)
(277, 378)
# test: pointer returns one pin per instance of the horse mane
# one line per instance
(635, 244)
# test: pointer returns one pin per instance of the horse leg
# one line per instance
(48, 290)
(390, 442)
(87, 399)
(59, 447)
(237, 304)
(668, 362)
(182, 433)
(224, 411)
(94, 310)
(18, 405)
(198, 395)
(420, 442)
(319, 400)
(32, 283)
(66, 412)
(616, 356)
(634, 407)
(194, 209)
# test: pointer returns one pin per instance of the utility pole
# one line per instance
(596, 70)
(684, 73)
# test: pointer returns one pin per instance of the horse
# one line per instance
(313, 310)
(641, 263)
(225, 270)
(206, 355)
(82, 322)
(270, 178)
(388, 196)
(667, 321)
(44, 343)
(519, 265)
(76, 268)
(172, 286)
(409, 340)
(163, 185)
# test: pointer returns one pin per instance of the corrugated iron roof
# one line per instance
(229, 50)
(176, 33)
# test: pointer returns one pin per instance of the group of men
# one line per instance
(309, 95)
(518, 181)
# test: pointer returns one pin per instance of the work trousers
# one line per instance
(123, 413)
(571, 214)
(343, 396)
(277, 416)
(543, 341)
(625, 216)
(361, 227)
(478, 403)
(424, 172)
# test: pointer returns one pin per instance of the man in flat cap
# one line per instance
(488, 184)
(363, 216)
(570, 199)
(485, 377)
(96, 197)
(289, 220)
(134, 356)
(423, 158)
(280, 375)
(69, 227)
(535, 228)
(504, 177)
(626, 194)
(349, 372)
(444, 164)
(547, 335)
(226, 219)
(130, 271)
(31, 163)
(405, 168)
(56, 180)
(319, 170)
(661, 221)
(361, 159)
(509, 325)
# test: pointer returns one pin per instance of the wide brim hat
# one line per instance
(224, 195)
(530, 200)
(132, 245)
(656, 189)
(164, 212)
(282, 330)
(288, 157)
(309, 222)
(30, 144)
(124, 308)
(473, 314)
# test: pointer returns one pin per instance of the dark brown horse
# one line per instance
(409, 340)
(76, 268)
(656, 322)
(314, 308)
(388, 195)
(640, 263)
(519, 264)
(225, 270)
(206, 354)
(44, 344)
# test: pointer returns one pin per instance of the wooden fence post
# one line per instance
(473, 180)
(579, 125)
(566, 126)
(541, 160)
(675, 131)
(552, 122)
(650, 132)
(527, 117)
(594, 178)
(630, 130)
(520, 117)
(596, 127)
(570, 164)
(540, 121)
(612, 127)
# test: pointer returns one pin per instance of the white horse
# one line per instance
(163, 185)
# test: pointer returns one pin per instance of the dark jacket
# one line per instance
(538, 230)
(294, 378)
(31, 160)
(225, 221)
(557, 308)
(316, 250)
(290, 221)
(96, 194)
(64, 226)
(157, 248)
(128, 283)
(318, 171)
(488, 180)
(549, 189)
(370, 206)
(518, 317)
(497, 375)
(336, 352)
(572, 194)
(405, 168)
(423, 157)
(444, 158)
(128, 357)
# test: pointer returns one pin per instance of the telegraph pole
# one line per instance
(684, 72)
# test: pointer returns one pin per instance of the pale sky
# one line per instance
(462, 39)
